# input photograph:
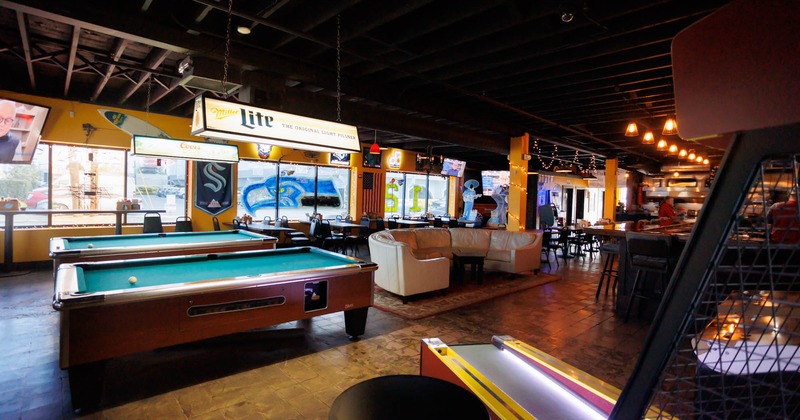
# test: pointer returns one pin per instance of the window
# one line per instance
(416, 195)
(395, 193)
(292, 190)
(158, 184)
(411, 195)
(65, 177)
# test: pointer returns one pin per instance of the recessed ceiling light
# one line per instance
(244, 30)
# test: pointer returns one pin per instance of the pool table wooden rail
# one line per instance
(95, 328)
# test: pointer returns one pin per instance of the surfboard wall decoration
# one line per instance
(131, 124)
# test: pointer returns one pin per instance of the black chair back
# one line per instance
(183, 224)
(379, 224)
(152, 223)
(267, 220)
(392, 223)
(215, 221)
(452, 223)
(649, 252)
(437, 222)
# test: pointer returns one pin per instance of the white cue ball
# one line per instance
(90, 246)
(132, 279)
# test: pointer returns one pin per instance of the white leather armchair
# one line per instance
(400, 272)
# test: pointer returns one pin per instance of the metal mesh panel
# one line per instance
(737, 356)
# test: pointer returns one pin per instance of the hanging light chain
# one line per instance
(147, 104)
(338, 68)
(227, 49)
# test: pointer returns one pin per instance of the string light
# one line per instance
(576, 162)
(593, 165)
(538, 152)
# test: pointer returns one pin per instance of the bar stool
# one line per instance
(611, 252)
(648, 253)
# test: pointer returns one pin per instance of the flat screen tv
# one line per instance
(490, 179)
(452, 167)
(21, 126)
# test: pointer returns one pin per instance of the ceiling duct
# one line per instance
(667, 169)
(206, 74)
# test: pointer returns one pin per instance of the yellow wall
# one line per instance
(65, 125)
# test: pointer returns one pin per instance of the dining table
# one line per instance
(261, 227)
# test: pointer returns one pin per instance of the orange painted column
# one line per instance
(518, 180)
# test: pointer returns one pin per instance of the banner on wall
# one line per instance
(213, 187)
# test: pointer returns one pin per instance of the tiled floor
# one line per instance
(296, 370)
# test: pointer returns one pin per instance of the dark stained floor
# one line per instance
(296, 370)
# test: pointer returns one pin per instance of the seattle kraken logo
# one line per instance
(216, 181)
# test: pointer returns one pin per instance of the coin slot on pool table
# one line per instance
(316, 295)
(241, 305)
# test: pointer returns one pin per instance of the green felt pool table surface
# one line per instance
(101, 278)
(149, 239)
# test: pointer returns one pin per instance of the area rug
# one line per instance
(458, 294)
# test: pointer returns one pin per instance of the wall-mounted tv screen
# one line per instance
(491, 179)
(452, 167)
(20, 129)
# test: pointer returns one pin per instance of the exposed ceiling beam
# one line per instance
(153, 60)
(116, 53)
(26, 46)
(73, 49)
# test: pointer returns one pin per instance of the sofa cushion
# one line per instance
(503, 240)
(470, 240)
(432, 238)
(406, 236)
(426, 254)
(503, 255)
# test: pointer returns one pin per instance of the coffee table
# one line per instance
(461, 259)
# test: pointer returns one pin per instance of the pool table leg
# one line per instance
(86, 385)
(355, 321)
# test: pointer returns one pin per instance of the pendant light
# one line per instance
(648, 138)
(670, 127)
(375, 149)
(632, 130)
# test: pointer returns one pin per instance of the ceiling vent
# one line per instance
(206, 74)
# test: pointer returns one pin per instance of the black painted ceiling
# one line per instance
(455, 78)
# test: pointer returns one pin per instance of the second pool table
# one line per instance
(120, 247)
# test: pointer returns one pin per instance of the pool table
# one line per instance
(182, 299)
(515, 380)
(116, 247)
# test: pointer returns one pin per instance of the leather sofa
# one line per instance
(413, 261)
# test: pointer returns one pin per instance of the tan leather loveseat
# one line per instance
(413, 261)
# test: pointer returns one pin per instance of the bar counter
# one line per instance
(680, 233)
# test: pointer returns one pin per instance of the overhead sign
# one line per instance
(184, 149)
(214, 118)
